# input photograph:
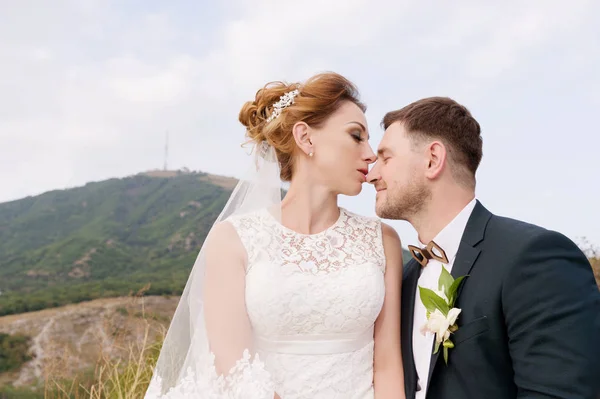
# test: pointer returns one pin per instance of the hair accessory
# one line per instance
(284, 101)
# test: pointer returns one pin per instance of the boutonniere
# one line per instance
(441, 313)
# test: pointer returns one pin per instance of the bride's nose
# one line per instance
(370, 157)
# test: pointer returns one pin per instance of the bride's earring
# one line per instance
(310, 154)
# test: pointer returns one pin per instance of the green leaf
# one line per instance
(432, 301)
(454, 289)
(445, 282)
(437, 347)
(446, 355)
(447, 345)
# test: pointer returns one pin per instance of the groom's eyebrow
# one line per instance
(363, 128)
(381, 151)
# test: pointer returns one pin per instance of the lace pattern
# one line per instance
(352, 240)
(301, 287)
(248, 379)
(325, 289)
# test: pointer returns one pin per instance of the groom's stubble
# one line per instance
(404, 201)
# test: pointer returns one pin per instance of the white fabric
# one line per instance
(208, 351)
(449, 240)
(312, 301)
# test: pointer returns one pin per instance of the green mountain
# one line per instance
(106, 239)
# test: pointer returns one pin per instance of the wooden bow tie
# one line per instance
(422, 255)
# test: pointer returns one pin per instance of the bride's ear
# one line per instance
(302, 136)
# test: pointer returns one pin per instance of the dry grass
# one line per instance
(596, 266)
(595, 262)
(593, 253)
(226, 182)
(161, 173)
(123, 370)
(113, 378)
(75, 346)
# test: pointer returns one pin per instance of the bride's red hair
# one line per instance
(319, 97)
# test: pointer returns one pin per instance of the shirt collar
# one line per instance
(450, 236)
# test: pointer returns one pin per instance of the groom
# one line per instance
(529, 322)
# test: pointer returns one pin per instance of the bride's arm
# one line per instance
(227, 324)
(388, 374)
(228, 327)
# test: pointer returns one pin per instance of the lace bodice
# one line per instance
(351, 240)
(312, 301)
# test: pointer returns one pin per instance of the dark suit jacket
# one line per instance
(530, 320)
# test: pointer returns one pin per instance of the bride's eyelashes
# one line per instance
(357, 136)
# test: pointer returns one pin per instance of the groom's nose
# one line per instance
(373, 175)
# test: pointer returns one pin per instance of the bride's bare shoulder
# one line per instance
(230, 229)
(222, 230)
(392, 245)
(223, 242)
(390, 235)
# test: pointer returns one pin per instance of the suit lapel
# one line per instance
(465, 259)
(409, 289)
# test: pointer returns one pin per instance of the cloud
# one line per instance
(91, 87)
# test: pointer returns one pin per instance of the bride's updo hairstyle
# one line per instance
(317, 99)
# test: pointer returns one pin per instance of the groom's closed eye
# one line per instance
(383, 154)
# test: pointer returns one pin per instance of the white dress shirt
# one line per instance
(449, 240)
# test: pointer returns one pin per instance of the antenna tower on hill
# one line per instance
(166, 150)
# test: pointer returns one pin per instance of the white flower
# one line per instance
(442, 326)
(453, 315)
(436, 324)
(439, 324)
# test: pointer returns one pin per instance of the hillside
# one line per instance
(70, 340)
(106, 239)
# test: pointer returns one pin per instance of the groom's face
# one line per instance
(398, 175)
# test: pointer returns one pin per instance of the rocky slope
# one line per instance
(71, 339)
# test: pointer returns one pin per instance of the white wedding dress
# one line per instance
(312, 301)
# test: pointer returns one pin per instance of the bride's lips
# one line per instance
(364, 172)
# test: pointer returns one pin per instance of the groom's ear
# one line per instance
(302, 135)
(436, 159)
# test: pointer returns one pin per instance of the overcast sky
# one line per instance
(88, 88)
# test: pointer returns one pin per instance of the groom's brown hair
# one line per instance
(444, 119)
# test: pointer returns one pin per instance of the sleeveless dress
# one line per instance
(313, 301)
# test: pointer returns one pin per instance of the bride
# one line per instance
(294, 298)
